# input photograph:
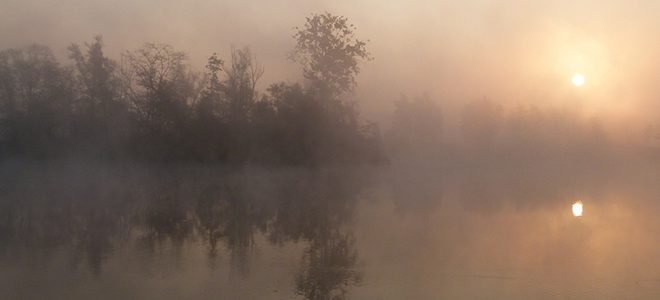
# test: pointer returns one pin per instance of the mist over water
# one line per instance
(77, 230)
(329, 150)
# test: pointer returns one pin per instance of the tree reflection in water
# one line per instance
(328, 268)
(92, 216)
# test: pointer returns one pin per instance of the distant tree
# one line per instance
(210, 102)
(241, 85)
(481, 121)
(150, 105)
(267, 140)
(164, 89)
(207, 131)
(35, 102)
(532, 131)
(101, 114)
(329, 53)
(416, 127)
(156, 66)
(310, 133)
(299, 122)
(97, 80)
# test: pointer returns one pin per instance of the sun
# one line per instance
(577, 209)
(578, 79)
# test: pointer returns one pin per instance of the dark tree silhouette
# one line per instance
(96, 79)
(35, 101)
(101, 119)
(151, 106)
(329, 53)
(241, 84)
(164, 88)
(210, 103)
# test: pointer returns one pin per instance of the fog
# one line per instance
(79, 230)
(329, 149)
(511, 51)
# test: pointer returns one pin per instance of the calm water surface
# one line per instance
(91, 231)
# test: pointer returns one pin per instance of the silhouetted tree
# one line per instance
(329, 53)
(97, 82)
(210, 103)
(241, 94)
(209, 130)
(310, 133)
(101, 113)
(151, 106)
(35, 102)
(241, 84)
(299, 122)
(164, 89)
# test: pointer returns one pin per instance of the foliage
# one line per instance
(36, 102)
(329, 53)
(151, 106)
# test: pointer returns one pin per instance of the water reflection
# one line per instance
(75, 232)
(93, 217)
(328, 268)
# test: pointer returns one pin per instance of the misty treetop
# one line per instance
(151, 105)
(329, 53)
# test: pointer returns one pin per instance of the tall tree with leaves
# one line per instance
(100, 112)
(241, 85)
(97, 81)
(209, 104)
(329, 53)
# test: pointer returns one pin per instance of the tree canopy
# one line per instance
(151, 105)
(329, 53)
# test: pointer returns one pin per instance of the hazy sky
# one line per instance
(456, 51)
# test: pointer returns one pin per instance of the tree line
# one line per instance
(150, 105)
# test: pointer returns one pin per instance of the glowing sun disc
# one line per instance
(577, 209)
(578, 79)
